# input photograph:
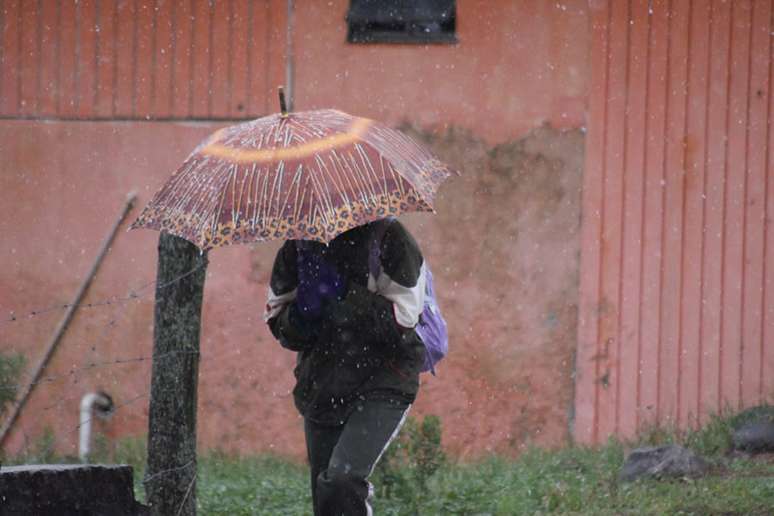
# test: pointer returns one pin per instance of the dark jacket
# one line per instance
(363, 345)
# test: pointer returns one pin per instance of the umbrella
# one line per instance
(302, 175)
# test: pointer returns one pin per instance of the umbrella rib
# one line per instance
(382, 161)
(218, 188)
(216, 215)
(185, 197)
(183, 192)
(346, 179)
(265, 199)
(323, 169)
(373, 177)
(339, 165)
(320, 197)
(288, 136)
(277, 194)
(383, 178)
(314, 214)
(328, 195)
(293, 182)
(234, 204)
(271, 137)
(249, 180)
(348, 173)
(399, 179)
(214, 181)
(395, 147)
(261, 196)
(189, 198)
(277, 179)
(299, 203)
(238, 209)
(177, 178)
(258, 199)
(303, 197)
(361, 171)
(354, 173)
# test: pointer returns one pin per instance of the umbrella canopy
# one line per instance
(307, 175)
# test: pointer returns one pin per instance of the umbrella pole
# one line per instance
(170, 478)
(283, 104)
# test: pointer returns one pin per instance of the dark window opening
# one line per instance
(402, 21)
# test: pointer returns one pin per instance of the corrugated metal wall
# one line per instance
(677, 294)
(140, 59)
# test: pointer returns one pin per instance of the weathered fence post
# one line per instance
(170, 478)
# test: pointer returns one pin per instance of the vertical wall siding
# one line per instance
(677, 267)
(140, 59)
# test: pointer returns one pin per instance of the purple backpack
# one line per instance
(432, 326)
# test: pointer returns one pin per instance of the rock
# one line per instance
(755, 436)
(68, 490)
(757, 413)
(662, 462)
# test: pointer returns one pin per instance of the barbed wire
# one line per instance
(187, 493)
(135, 293)
(94, 365)
(77, 373)
(117, 315)
(63, 437)
(152, 478)
(110, 324)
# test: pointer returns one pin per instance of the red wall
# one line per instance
(676, 314)
(518, 64)
(141, 59)
(504, 246)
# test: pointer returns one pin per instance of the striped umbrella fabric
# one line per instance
(306, 175)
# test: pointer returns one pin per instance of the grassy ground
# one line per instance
(570, 481)
(415, 477)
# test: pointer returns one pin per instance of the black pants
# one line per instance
(342, 458)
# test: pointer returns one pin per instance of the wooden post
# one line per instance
(170, 479)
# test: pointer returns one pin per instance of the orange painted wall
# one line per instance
(485, 104)
(160, 59)
(676, 316)
(518, 64)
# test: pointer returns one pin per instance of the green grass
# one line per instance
(571, 480)
(416, 478)
(246, 486)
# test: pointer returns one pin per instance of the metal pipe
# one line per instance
(289, 57)
(92, 404)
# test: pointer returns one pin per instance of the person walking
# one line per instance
(359, 357)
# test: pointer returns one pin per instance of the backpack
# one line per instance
(432, 326)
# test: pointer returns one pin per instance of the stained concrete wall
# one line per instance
(500, 106)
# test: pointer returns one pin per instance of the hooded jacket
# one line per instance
(363, 344)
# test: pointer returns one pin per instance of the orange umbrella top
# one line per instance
(307, 175)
